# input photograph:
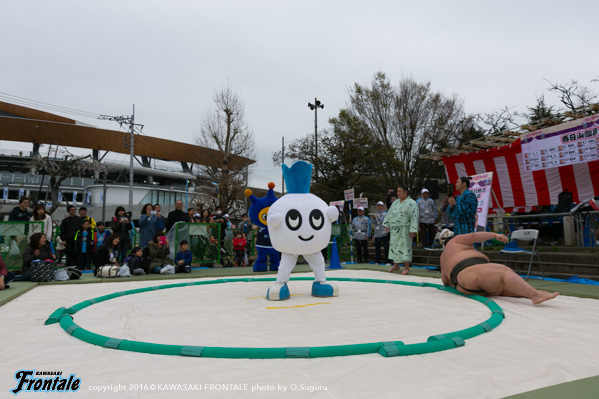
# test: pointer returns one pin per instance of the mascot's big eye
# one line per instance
(316, 219)
(293, 220)
(262, 215)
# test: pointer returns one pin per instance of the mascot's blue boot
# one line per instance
(278, 292)
(324, 289)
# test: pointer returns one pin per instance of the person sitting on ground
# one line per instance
(159, 251)
(5, 276)
(37, 249)
(183, 258)
(108, 253)
(471, 272)
(239, 244)
(135, 260)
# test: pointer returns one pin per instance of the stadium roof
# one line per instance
(18, 123)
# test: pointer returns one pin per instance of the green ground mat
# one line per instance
(587, 388)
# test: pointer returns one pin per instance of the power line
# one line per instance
(38, 104)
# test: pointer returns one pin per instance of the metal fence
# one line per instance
(14, 237)
(199, 236)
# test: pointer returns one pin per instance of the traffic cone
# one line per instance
(335, 263)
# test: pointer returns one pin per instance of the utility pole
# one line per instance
(128, 121)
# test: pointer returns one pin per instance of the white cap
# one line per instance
(197, 215)
(226, 215)
(424, 190)
(380, 203)
(360, 208)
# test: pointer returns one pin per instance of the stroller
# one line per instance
(225, 258)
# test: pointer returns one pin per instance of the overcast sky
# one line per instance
(170, 57)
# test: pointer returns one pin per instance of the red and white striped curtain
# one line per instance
(520, 189)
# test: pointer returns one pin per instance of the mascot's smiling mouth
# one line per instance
(306, 239)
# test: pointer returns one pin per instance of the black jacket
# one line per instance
(122, 229)
(90, 239)
(69, 227)
(17, 215)
(174, 217)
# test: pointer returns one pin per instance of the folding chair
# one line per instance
(437, 247)
(512, 248)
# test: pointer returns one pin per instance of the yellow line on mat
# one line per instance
(298, 306)
(258, 297)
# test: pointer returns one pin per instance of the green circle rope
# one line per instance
(434, 343)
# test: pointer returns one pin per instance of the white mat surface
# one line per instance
(534, 347)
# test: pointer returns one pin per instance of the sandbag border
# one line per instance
(434, 343)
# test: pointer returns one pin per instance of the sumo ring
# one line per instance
(434, 343)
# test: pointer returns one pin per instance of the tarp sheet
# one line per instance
(534, 347)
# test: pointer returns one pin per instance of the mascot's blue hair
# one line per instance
(297, 177)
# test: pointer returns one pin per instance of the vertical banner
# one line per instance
(74, 196)
(101, 198)
(88, 198)
(21, 192)
(361, 202)
(5, 194)
(59, 199)
(480, 185)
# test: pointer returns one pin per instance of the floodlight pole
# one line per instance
(317, 104)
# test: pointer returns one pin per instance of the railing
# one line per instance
(14, 237)
(576, 229)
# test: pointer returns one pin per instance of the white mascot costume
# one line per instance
(300, 224)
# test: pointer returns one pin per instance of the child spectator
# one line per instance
(239, 248)
(102, 234)
(183, 258)
(83, 215)
(84, 245)
(246, 254)
(135, 262)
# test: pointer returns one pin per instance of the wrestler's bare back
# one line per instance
(493, 278)
(460, 248)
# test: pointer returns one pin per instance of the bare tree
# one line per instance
(411, 119)
(60, 170)
(225, 129)
(573, 96)
(498, 121)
